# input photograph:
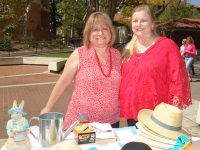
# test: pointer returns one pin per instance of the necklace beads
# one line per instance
(99, 64)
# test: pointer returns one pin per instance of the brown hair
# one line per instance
(97, 17)
(184, 40)
(129, 48)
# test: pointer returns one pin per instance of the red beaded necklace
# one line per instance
(99, 64)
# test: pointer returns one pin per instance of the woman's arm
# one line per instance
(71, 67)
(179, 85)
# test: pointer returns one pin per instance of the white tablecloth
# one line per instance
(124, 135)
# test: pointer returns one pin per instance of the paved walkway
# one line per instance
(33, 84)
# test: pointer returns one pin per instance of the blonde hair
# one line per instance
(98, 17)
(130, 47)
(190, 39)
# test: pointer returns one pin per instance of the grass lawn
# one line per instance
(63, 55)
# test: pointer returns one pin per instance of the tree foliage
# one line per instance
(13, 21)
(55, 18)
(70, 15)
(164, 10)
(179, 9)
(8, 12)
(76, 12)
(73, 13)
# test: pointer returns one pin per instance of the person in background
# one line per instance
(192, 68)
(189, 53)
(152, 69)
(95, 70)
(182, 47)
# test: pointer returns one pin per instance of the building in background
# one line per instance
(181, 28)
(38, 22)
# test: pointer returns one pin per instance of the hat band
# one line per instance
(166, 126)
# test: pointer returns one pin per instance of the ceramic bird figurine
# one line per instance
(17, 128)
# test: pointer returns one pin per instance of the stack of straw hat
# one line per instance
(159, 128)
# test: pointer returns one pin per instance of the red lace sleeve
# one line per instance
(176, 101)
(179, 92)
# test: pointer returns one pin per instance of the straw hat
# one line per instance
(152, 143)
(156, 137)
(71, 145)
(136, 146)
(153, 140)
(165, 120)
(152, 132)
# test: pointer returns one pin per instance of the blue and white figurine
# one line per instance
(17, 129)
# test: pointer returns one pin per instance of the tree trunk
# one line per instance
(53, 18)
(29, 3)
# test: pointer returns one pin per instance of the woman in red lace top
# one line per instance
(152, 69)
(95, 70)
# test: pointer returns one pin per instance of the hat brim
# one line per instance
(10, 111)
(153, 143)
(152, 132)
(145, 117)
(141, 130)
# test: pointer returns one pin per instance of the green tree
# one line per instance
(179, 10)
(12, 21)
(157, 5)
(73, 13)
(55, 17)
(164, 10)
(111, 7)
(76, 12)
(7, 13)
(25, 6)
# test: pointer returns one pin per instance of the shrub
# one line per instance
(5, 43)
(27, 42)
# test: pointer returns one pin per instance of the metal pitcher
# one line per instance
(51, 127)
